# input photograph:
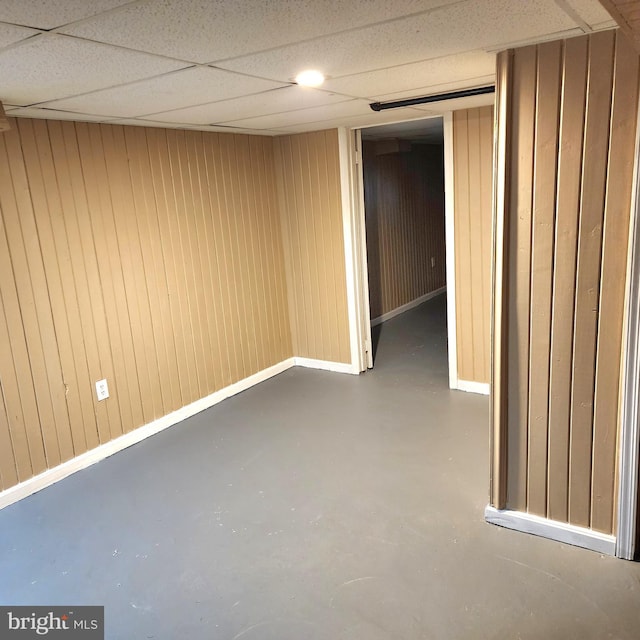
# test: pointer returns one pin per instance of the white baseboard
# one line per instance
(559, 531)
(325, 365)
(405, 307)
(483, 388)
(84, 460)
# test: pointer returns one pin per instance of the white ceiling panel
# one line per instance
(9, 34)
(208, 30)
(147, 123)
(438, 88)
(591, 11)
(460, 67)
(174, 90)
(465, 26)
(49, 114)
(372, 119)
(47, 14)
(52, 66)
(279, 100)
(223, 129)
(348, 109)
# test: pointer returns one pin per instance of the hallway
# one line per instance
(313, 506)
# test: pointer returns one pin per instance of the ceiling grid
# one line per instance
(229, 65)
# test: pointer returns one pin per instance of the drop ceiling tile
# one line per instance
(591, 11)
(52, 66)
(146, 123)
(370, 118)
(362, 120)
(51, 114)
(9, 34)
(349, 109)
(45, 14)
(460, 67)
(170, 91)
(278, 100)
(251, 132)
(465, 26)
(208, 30)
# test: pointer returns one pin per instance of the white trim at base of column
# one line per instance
(483, 388)
(559, 531)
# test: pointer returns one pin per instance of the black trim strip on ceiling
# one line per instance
(438, 97)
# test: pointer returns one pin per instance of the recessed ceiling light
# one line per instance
(310, 78)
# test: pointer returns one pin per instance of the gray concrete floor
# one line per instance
(314, 506)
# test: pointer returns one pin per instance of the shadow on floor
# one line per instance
(375, 339)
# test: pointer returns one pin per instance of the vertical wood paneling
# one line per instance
(8, 472)
(311, 210)
(335, 253)
(574, 106)
(542, 240)
(128, 246)
(404, 215)
(94, 323)
(519, 267)
(162, 177)
(11, 340)
(152, 258)
(462, 242)
(472, 180)
(111, 357)
(477, 257)
(113, 277)
(612, 285)
(594, 176)
(147, 229)
(36, 315)
(573, 95)
(21, 318)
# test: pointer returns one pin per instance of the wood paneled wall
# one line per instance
(308, 169)
(571, 128)
(149, 257)
(404, 213)
(473, 214)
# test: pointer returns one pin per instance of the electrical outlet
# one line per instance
(102, 390)
(433, 263)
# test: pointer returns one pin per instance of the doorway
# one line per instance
(404, 210)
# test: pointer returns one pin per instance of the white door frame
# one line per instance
(629, 442)
(355, 249)
(450, 250)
